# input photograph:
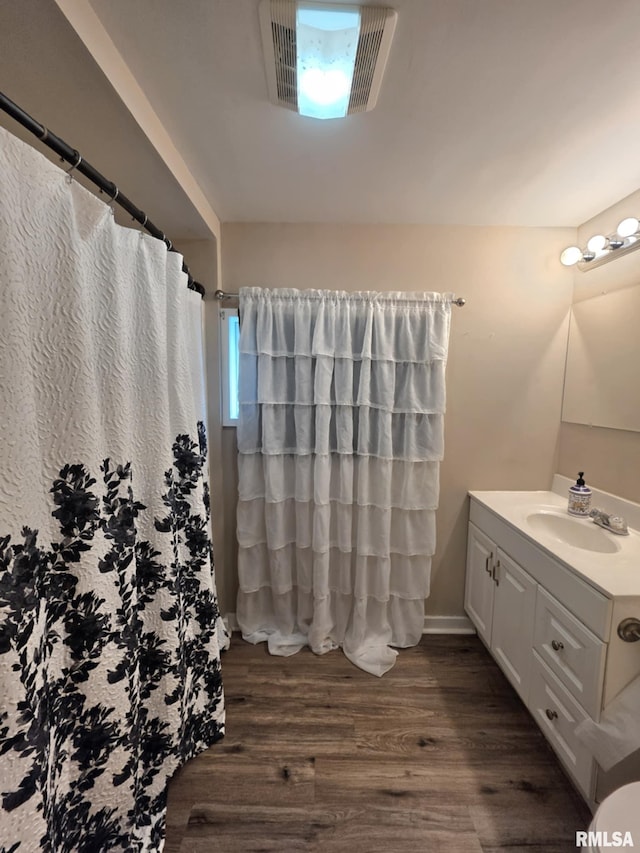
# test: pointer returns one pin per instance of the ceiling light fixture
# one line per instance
(326, 44)
(325, 60)
(601, 249)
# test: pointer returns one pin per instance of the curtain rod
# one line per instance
(221, 295)
(78, 163)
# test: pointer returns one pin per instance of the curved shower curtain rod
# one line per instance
(79, 164)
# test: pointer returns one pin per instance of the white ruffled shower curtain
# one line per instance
(109, 625)
(340, 438)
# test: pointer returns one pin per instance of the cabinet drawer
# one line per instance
(557, 713)
(574, 654)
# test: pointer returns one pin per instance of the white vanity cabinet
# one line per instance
(550, 628)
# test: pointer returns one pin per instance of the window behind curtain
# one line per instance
(229, 350)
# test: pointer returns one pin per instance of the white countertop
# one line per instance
(616, 574)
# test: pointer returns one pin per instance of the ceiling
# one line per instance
(491, 112)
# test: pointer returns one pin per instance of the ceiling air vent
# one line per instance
(278, 27)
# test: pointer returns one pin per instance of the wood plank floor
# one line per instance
(438, 755)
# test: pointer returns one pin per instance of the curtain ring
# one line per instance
(142, 224)
(169, 244)
(73, 167)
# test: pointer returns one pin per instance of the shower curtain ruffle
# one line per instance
(109, 626)
(340, 438)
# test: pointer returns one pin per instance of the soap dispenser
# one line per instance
(579, 497)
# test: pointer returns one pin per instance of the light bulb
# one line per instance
(628, 227)
(325, 87)
(571, 256)
(597, 243)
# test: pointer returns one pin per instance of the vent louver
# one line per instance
(278, 27)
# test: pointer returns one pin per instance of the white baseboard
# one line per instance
(448, 625)
(432, 624)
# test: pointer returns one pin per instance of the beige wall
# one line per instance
(506, 355)
(610, 457)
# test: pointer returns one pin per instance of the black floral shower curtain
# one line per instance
(109, 627)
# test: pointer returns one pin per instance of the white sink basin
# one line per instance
(578, 532)
(607, 562)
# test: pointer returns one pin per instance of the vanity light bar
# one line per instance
(600, 249)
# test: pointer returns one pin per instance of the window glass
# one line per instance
(229, 358)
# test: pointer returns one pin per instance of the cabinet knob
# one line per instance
(556, 645)
(552, 715)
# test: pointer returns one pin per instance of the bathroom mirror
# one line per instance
(602, 378)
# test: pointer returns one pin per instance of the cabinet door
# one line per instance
(478, 594)
(514, 610)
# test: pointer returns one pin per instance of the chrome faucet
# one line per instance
(614, 523)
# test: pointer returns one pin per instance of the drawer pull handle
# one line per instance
(495, 574)
(552, 715)
(486, 563)
(556, 645)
